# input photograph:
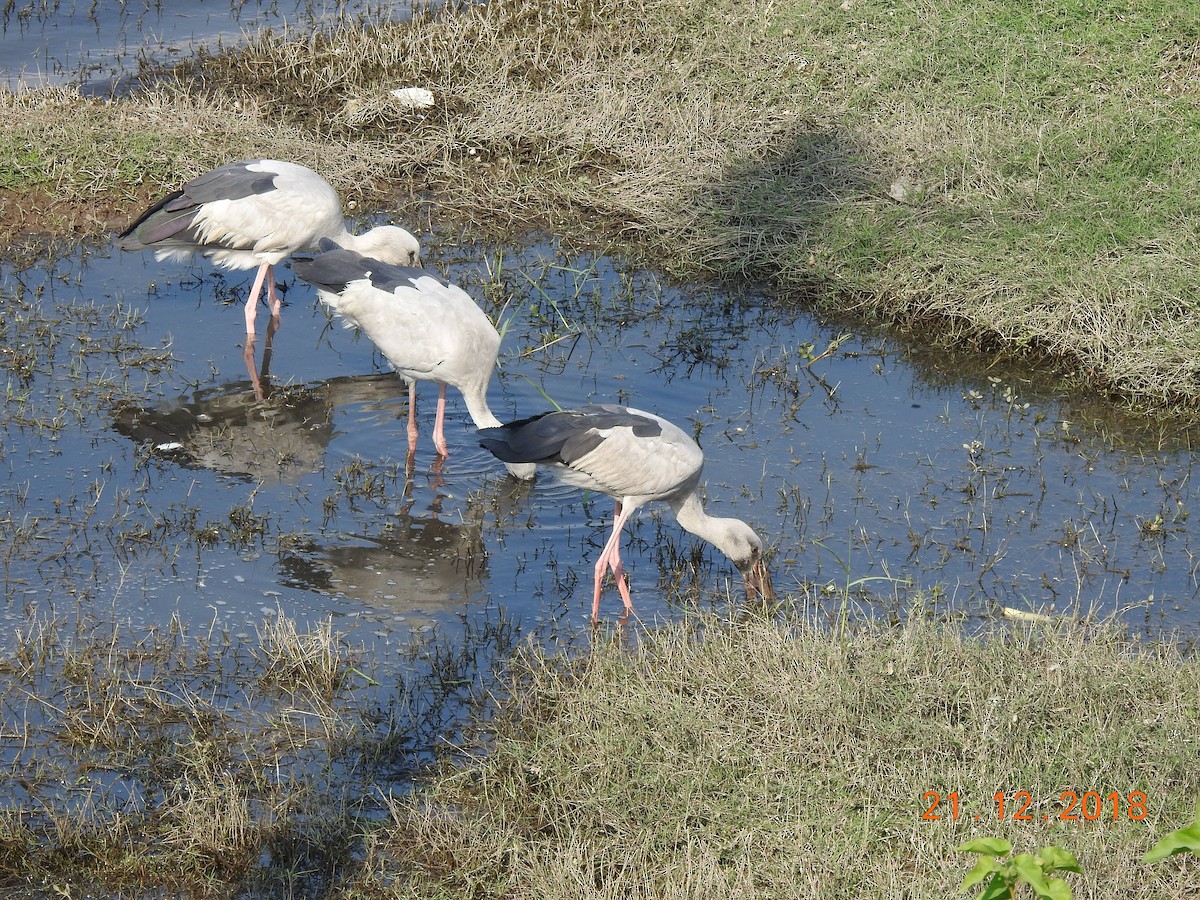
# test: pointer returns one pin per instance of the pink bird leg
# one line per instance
(252, 300)
(610, 558)
(273, 295)
(439, 436)
(439, 422)
(266, 275)
(412, 417)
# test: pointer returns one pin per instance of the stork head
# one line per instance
(389, 244)
(742, 545)
(757, 577)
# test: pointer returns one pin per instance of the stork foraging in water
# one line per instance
(254, 214)
(633, 457)
(427, 328)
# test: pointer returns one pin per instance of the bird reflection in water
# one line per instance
(420, 565)
(415, 566)
(260, 383)
(425, 560)
(229, 430)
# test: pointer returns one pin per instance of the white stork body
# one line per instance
(254, 214)
(428, 329)
(634, 457)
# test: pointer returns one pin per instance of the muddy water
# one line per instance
(145, 480)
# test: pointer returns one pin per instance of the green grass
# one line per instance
(1047, 156)
(756, 758)
(777, 760)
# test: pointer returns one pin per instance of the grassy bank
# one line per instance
(1011, 180)
(756, 759)
(759, 760)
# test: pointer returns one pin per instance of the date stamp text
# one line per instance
(1019, 806)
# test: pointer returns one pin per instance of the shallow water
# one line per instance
(100, 44)
(145, 480)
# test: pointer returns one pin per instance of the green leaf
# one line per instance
(997, 889)
(985, 867)
(1183, 840)
(1030, 871)
(987, 845)
(1057, 889)
(1056, 859)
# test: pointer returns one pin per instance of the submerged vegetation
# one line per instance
(205, 762)
(1014, 182)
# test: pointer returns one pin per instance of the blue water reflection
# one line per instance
(98, 44)
(906, 483)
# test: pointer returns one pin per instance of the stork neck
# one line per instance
(689, 511)
(483, 417)
(727, 535)
(477, 407)
(345, 238)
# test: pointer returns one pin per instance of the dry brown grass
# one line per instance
(767, 760)
(545, 112)
(971, 174)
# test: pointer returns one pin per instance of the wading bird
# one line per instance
(426, 328)
(254, 214)
(633, 457)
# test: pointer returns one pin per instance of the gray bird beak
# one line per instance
(758, 582)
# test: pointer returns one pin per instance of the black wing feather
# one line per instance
(171, 218)
(334, 268)
(562, 436)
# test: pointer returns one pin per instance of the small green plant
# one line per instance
(833, 347)
(1007, 875)
(1182, 840)
(852, 583)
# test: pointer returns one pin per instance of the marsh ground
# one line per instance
(978, 173)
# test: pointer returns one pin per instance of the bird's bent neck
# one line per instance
(690, 513)
(727, 535)
(347, 239)
(483, 417)
(388, 244)
(477, 406)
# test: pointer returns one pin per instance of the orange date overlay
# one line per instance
(1072, 806)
